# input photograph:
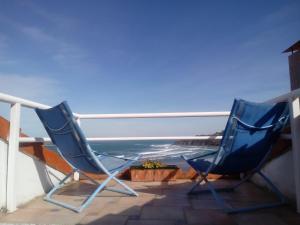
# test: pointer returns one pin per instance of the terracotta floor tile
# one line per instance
(258, 218)
(157, 203)
(208, 217)
(105, 220)
(152, 222)
(162, 213)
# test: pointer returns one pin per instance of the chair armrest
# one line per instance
(281, 121)
(212, 153)
(112, 156)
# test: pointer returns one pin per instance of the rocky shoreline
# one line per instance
(208, 142)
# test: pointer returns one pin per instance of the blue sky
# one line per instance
(145, 56)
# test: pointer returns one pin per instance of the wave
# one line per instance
(160, 146)
(170, 151)
(148, 150)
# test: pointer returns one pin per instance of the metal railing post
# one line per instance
(76, 175)
(13, 148)
(295, 133)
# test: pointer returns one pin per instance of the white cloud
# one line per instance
(37, 34)
(3, 43)
(287, 12)
(37, 88)
(4, 60)
(61, 51)
(275, 26)
(58, 20)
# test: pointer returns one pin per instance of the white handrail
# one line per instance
(153, 115)
(286, 96)
(96, 139)
(24, 102)
(31, 104)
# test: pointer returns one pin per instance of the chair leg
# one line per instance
(89, 178)
(243, 180)
(193, 190)
(218, 197)
(273, 187)
(99, 188)
(59, 185)
(86, 202)
(128, 190)
(49, 198)
(228, 209)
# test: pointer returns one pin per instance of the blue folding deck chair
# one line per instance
(71, 144)
(251, 130)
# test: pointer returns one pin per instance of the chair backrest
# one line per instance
(251, 130)
(65, 133)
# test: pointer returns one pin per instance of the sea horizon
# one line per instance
(165, 151)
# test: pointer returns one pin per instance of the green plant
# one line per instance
(149, 164)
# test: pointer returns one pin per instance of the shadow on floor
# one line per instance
(158, 203)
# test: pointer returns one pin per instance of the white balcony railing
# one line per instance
(15, 116)
(30, 104)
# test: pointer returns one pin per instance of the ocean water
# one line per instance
(147, 149)
(166, 151)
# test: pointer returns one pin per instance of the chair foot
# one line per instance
(121, 191)
(254, 208)
(89, 199)
(230, 210)
(204, 191)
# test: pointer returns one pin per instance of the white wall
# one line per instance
(33, 178)
(3, 167)
(281, 172)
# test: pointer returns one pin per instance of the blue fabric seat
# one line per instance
(250, 133)
(71, 144)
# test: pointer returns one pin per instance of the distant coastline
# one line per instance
(208, 142)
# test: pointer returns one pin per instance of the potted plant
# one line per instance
(153, 171)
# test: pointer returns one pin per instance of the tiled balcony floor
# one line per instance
(157, 204)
